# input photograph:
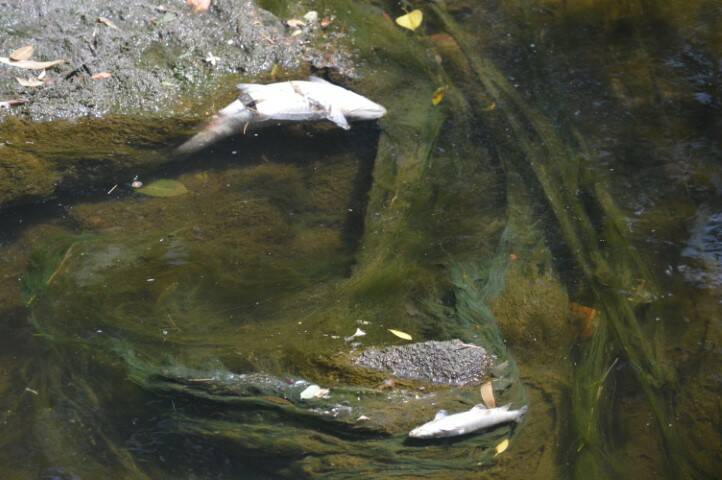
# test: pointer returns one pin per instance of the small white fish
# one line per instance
(478, 417)
(284, 102)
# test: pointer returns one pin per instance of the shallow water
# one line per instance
(560, 207)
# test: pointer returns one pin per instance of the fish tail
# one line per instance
(232, 119)
(522, 412)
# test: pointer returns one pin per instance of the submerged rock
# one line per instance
(451, 362)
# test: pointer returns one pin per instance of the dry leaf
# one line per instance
(199, 5)
(101, 76)
(31, 64)
(107, 22)
(487, 395)
(438, 95)
(411, 20)
(10, 103)
(400, 334)
(22, 53)
(503, 445)
(29, 82)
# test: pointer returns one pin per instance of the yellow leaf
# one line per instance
(487, 395)
(22, 53)
(411, 20)
(400, 334)
(503, 445)
(438, 95)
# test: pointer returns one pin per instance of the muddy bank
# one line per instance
(169, 68)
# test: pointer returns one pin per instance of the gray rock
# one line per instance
(156, 56)
(451, 362)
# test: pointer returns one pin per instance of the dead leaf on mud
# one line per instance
(199, 5)
(22, 53)
(31, 64)
(29, 82)
(107, 22)
(101, 76)
(487, 395)
(12, 102)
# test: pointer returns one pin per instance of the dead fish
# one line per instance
(478, 417)
(284, 102)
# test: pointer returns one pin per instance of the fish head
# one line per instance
(357, 107)
(423, 431)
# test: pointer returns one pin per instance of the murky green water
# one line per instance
(560, 207)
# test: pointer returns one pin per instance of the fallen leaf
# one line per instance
(22, 53)
(411, 20)
(101, 76)
(400, 334)
(31, 64)
(584, 316)
(199, 5)
(107, 22)
(29, 82)
(487, 395)
(503, 445)
(13, 102)
(438, 95)
(163, 188)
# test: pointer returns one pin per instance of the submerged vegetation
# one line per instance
(503, 201)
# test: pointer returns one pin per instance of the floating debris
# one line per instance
(503, 445)
(400, 334)
(438, 95)
(411, 21)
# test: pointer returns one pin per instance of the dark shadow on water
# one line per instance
(297, 144)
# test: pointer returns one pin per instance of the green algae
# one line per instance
(457, 241)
